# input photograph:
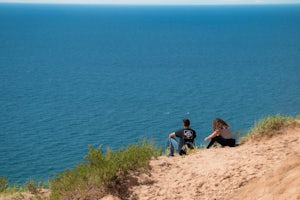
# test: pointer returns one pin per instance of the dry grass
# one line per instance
(269, 126)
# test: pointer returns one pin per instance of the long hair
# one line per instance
(219, 124)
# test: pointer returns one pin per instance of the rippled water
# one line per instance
(78, 75)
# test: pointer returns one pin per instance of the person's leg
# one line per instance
(225, 142)
(222, 141)
(218, 139)
(212, 141)
(173, 146)
(231, 142)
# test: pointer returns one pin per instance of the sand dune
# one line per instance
(265, 170)
(268, 169)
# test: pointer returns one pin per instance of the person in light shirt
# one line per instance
(221, 134)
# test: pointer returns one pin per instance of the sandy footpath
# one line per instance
(268, 169)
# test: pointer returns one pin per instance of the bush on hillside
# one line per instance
(268, 127)
(33, 186)
(3, 183)
(105, 172)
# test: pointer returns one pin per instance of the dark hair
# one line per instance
(219, 124)
(186, 122)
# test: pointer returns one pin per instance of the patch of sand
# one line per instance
(44, 193)
(264, 170)
(268, 169)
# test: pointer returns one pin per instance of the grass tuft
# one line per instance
(3, 184)
(268, 127)
(104, 173)
(33, 187)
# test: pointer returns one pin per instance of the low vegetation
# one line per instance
(3, 184)
(30, 190)
(268, 127)
(100, 173)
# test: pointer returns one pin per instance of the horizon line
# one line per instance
(153, 4)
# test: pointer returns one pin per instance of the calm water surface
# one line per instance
(78, 75)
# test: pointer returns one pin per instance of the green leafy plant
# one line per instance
(103, 171)
(3, 183)
(33, 187)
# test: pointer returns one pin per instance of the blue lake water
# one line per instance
(78, 75)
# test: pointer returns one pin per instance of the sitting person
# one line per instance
(221, 134)
(186, 139)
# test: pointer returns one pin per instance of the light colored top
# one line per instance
(225, 133)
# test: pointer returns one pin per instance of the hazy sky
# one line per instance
(158, 2)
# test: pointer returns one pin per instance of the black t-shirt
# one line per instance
(185, 135)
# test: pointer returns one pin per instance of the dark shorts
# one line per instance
(222, 141)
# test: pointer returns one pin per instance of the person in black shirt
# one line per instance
(186, 139)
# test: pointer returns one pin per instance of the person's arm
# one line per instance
(172, 135)
(211, 136)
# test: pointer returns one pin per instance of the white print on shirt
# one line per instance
(188, 134)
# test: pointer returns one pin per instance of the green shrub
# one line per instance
(33, 187)
(268, 127)
(3, 183)
(99, 170)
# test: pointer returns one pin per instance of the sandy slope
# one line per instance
(268, 169)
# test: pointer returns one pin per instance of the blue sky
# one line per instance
(159, 2)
